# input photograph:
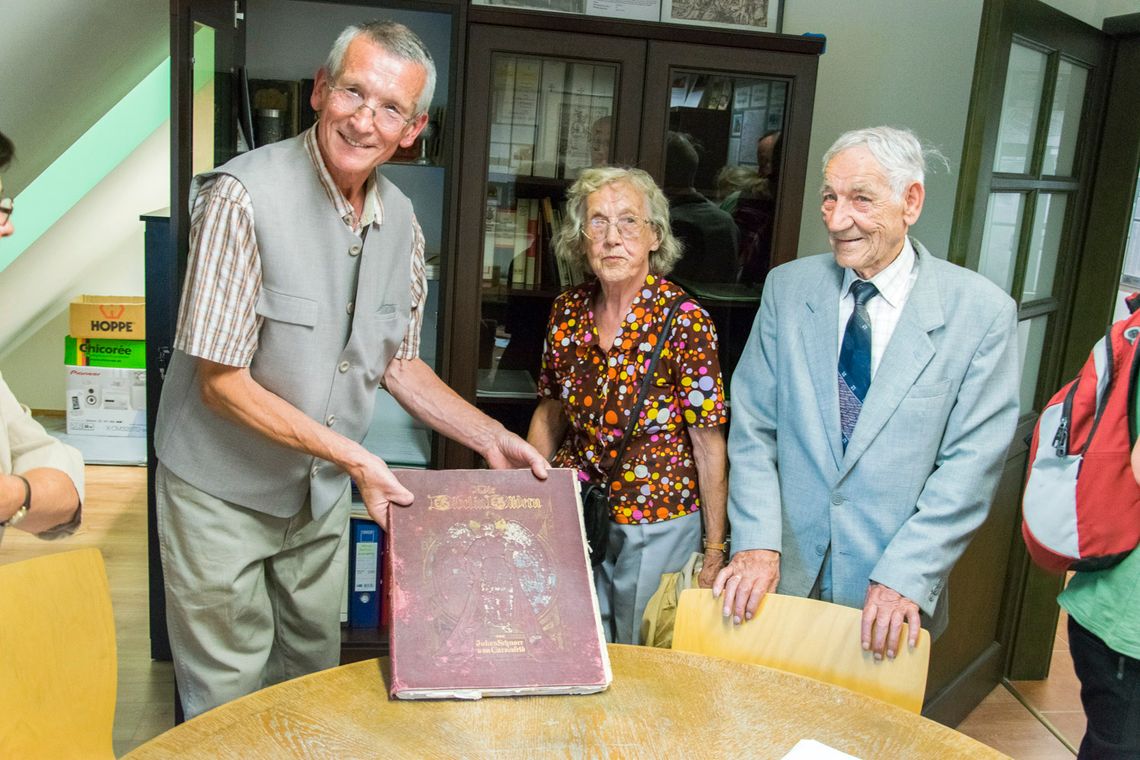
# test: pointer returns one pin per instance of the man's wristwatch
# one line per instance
(721, 547)
(22, 512)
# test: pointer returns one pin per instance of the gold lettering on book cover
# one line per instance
(494, 591)
(482, 498)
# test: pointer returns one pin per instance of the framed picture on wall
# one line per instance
(754, 15)
(737, 124)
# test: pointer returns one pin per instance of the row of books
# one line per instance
(518, 243)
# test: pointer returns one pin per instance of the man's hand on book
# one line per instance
(508, 451)
(379, 488)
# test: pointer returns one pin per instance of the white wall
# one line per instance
(895, 62)
(97, 247)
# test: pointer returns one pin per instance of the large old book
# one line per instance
(491, 590)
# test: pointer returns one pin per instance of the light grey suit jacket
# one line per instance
(900, 506)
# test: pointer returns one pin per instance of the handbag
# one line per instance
(596, 496)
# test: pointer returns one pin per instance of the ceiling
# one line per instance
(65, 64)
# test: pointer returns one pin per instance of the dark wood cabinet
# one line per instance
(546, 95)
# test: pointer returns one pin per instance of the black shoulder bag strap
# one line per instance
(635, 413)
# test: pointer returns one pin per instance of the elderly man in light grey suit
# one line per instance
(871, 410)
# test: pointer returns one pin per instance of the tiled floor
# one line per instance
(115, 522)
(1000, 720)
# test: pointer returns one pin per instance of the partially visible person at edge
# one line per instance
(1104, 640)
(41, 479)
(871, 409)
(305, 290)
(599, 341)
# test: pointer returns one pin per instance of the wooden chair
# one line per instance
(57, 657)
(807, 637)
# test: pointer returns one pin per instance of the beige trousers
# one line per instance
(251, 599)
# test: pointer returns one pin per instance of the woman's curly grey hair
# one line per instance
(572, 243)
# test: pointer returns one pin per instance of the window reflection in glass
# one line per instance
(1000, 238)
(1044, 246)
(1030, 346)
(1065, 119)
(722, 171)
(1021, 102)
(550, 117)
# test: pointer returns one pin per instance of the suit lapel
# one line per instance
(908, 353)
(819, 333)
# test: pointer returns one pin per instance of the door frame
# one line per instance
(1095, 236)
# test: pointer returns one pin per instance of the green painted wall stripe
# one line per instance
(91, 158)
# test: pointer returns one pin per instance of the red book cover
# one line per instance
(491, 592)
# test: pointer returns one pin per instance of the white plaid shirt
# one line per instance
(217, 320)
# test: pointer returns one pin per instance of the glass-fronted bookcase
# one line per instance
(720, 119)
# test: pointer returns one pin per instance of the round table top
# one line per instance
(661, 704)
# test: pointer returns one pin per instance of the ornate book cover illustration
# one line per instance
(491, 590)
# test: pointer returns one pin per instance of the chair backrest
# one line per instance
(57, 657)
(807, 637)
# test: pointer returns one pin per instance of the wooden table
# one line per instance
(662, 704)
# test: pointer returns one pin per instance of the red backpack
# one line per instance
(1081, 506)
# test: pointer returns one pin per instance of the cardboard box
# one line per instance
(122, 317)
(104, 352)
(109, 401)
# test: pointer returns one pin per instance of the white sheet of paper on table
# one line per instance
(810, 749)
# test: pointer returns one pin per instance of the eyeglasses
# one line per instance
(628, 227)
(386, 118)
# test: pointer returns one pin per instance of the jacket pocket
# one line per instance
(282, 307)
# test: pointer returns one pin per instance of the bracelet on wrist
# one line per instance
(22, 512)
(721, 547)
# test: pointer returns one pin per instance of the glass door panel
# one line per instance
(1065, 118)
(1044, 246)
(722, 159)
(1025, 80)
(548, 118)
(734, 121)
(1030, 347)
(1001, 237)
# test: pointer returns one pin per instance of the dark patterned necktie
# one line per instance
(855, 359)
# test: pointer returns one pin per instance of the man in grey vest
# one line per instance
(304, 291)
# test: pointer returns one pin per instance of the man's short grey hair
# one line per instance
(398, 40)
(898, 151)
(571, 244)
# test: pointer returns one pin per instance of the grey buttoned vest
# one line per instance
(335, 310)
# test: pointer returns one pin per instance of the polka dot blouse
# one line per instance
(598, 386)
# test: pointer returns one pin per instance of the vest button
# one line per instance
(343, 367)
(330, 420)
(350, 307)
(354, 250)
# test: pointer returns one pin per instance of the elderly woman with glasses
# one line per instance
(598, 347)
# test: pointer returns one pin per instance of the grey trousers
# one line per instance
(636, 558)
(251, 599)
